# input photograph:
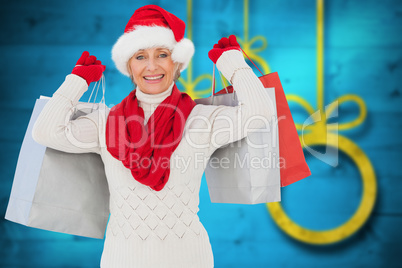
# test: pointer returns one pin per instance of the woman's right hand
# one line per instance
(89, 68)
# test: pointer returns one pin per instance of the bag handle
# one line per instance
(226, 88)
(97, 84)
(251, 61)
(213, 82)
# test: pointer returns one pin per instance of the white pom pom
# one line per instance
(183, 51)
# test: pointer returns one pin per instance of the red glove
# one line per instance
(223, 45)
(89, 68)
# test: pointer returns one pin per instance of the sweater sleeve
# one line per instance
(221, 125)
(54, 127)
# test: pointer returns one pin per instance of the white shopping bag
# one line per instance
(59, 191)
(251, 170)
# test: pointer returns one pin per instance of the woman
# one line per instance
(155, 144)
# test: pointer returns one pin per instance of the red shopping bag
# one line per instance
(295, 167)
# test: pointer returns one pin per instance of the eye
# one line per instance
(163, 55)
(139, 57)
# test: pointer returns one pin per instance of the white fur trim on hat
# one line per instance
(183, 52)
(146, 37)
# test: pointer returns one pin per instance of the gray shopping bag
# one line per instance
(58, 191)
(251, 173)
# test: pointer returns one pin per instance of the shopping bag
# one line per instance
(246, 171)
(294, 166)
(57, 191)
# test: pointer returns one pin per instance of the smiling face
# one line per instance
(152, 69)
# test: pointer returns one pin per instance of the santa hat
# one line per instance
(152, 26)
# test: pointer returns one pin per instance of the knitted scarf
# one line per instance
(146, 149)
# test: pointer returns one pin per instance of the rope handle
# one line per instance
(251, 61)
(96, 85)
(213, 81)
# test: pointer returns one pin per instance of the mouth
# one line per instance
(154, 77)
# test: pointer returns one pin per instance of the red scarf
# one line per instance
(146, 150)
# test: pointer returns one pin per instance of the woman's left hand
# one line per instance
(223, 45)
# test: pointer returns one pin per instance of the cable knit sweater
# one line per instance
(150, 228)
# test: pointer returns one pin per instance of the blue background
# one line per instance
(42, 40)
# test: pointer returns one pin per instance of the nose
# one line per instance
(151, 64)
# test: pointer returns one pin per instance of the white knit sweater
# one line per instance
(150, 228)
